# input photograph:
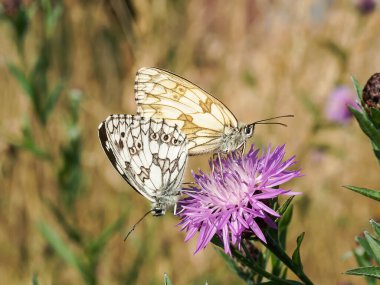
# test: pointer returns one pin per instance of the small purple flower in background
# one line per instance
(336, 108)
(365, 6)
(11, 7)
(238, 202)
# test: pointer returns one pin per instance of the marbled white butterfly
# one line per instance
(149, 154)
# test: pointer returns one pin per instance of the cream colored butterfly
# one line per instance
(207, 123)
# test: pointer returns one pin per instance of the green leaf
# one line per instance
(283, 226)
(167, 280)
(52, 19)
(364, 261)
(35, 279)
(364, 244)
(375, 246)
(234, 265)
(284, 272)
(375, 226)
(296, 257)
(254, 267)
(373, 194)
(216, 241)
(53, 97)
(361, 257)
(358, 88)
(367, 126)
(72, 233)
(75, 97)
(370, 271)
(21, 79)
(28, 142)
(292, 282)
(375, 115)
(99, 243)
(285, 205)
(59, 246)
(276, 266)
(376, 151)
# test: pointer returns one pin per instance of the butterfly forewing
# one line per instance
(148, 153)
(204, 119)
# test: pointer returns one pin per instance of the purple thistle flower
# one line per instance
(365, 6)
(238, 203)
(336, 107)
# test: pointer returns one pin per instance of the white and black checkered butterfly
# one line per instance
(150, 155)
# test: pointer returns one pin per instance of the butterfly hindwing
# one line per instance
(204, 119)
(148, 153)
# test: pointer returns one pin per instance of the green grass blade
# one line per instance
(375, 247)
(370, 271)
(21, 79)
(167, 280)
(59, 245)
(373, 194)
(367, 126)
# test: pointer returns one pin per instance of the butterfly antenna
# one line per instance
(265, 121)
(134, 226)
(272, 123)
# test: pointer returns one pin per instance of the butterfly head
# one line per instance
(164, 202)
(157, 211)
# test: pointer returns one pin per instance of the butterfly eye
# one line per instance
(165, 137)
(248, 130)
(154, 136)
(133, 150)
(139, 146)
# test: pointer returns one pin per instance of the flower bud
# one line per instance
(371, 93)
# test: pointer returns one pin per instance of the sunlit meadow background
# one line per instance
(261, 58)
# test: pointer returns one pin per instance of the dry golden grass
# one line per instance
(262, 59)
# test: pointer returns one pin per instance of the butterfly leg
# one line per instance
(175, 210)
(220, 163)
(190, 191)
(220, 166)
(243, 149)
(213, 159)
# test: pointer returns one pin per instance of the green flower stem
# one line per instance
(281, 254)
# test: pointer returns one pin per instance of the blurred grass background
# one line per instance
(63, 208)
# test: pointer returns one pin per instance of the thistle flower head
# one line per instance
(236, 198)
